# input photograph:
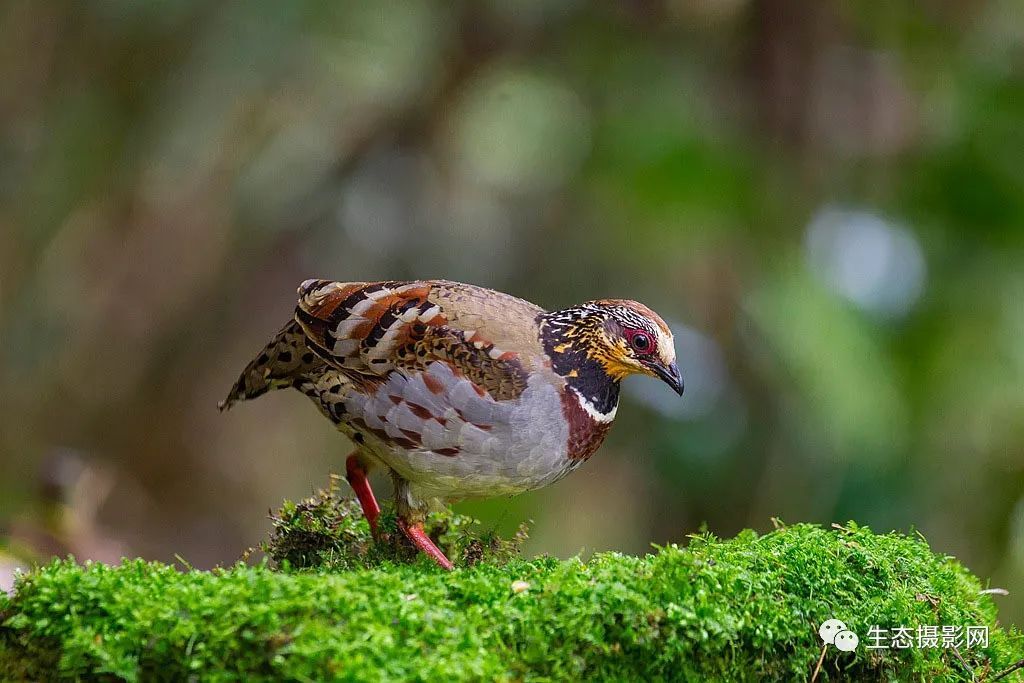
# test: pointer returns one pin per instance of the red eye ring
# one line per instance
(641, 342)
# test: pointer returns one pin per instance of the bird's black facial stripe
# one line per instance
(563, 335)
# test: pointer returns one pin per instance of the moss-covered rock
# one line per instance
(741, 609)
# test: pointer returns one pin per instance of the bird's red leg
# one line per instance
(355, 472)
(420, 539)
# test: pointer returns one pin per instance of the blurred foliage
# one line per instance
(825, 199)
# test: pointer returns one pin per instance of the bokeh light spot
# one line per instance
(869, 260)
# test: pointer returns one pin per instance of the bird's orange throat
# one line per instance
(614, 368)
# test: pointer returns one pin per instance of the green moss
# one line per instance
(328, 532)
(740, 609)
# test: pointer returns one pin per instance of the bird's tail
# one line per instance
(284, 362)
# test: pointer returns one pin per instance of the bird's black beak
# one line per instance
(669, 375)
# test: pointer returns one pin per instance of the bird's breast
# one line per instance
(586, 427)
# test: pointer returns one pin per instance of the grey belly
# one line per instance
(477, 476)
(503, 448)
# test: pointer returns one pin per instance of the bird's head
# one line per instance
(622, 337)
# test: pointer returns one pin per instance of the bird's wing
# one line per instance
(370, 330)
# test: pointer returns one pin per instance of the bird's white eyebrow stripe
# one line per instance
(666, 348)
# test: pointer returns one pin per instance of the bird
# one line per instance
(456, 390)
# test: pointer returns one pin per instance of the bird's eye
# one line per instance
(641, 342)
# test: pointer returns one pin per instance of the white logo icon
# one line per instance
(834, 632)
(847, 641)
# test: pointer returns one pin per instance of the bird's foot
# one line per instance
(421, 540)
(355, 472)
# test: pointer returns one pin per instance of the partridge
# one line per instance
(456, 390)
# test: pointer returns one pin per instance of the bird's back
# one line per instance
(368, 329)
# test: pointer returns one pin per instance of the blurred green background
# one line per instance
(824, 198)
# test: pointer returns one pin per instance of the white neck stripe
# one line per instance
(594, 414)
